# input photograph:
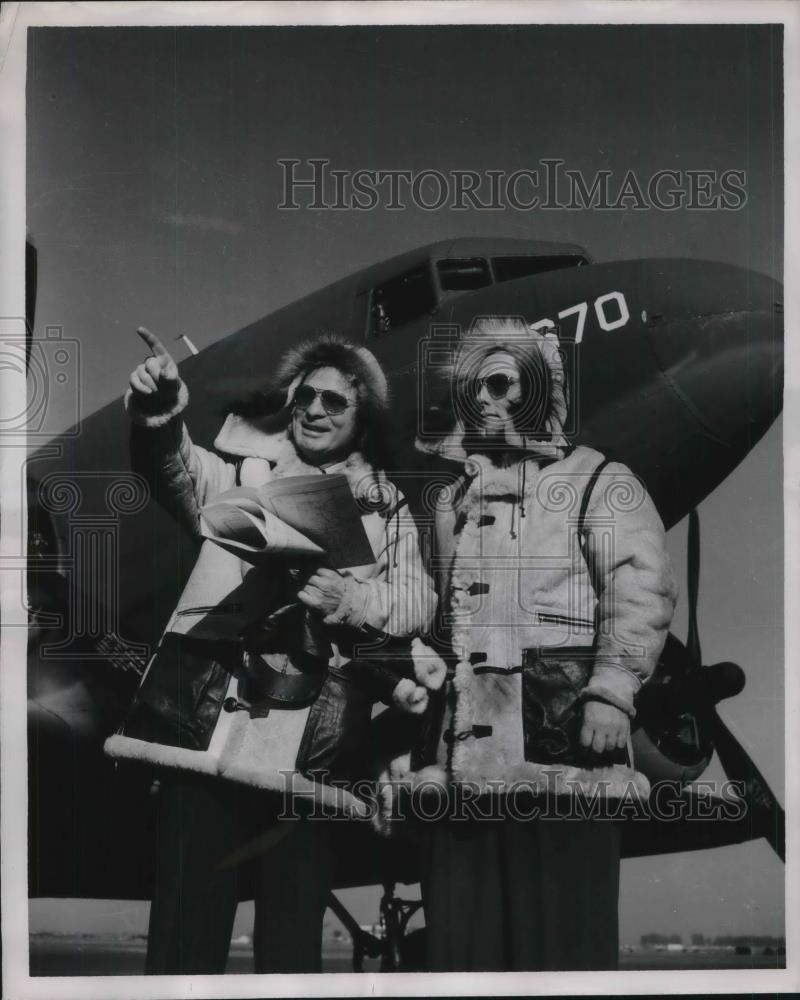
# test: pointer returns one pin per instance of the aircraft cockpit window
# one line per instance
(510, 268)
(402, 300)
(463, 275)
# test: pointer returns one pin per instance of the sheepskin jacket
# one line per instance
(224, 594)
(514, 574)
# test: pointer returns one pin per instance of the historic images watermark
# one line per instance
(431, 800)
(550, 185)
(52, 367)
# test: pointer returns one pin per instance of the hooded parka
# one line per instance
(524, 592)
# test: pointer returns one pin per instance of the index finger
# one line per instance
(155, 345)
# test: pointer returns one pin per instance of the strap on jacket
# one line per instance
(587, 496)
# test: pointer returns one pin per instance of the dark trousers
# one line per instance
(217, 843)
(515, 895)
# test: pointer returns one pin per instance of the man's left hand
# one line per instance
(605, 727)
(323, 591)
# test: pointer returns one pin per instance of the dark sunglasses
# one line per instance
(333, 403)
(497, 384)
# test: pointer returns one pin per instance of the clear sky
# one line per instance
(153, 188)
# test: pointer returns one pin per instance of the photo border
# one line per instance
(14, 21)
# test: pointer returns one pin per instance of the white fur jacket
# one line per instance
(513, 575)
(224, 594)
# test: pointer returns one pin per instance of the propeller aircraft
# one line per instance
(674, 368)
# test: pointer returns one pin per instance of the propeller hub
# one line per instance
(722, 680)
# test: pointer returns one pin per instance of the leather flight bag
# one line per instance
(552, 708)
(181, 695)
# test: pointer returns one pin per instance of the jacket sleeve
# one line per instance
(182, 476)
(634, 584)
(400, 599)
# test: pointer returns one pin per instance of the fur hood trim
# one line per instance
(259, 426)
(551, 444)
(331, 351)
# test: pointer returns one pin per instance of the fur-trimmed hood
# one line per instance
(328, 350)
(269, 410)
(503, 334)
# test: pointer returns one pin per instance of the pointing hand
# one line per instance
(157, 377)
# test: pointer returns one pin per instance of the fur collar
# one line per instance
(246, 438)
(485, 479)
(452, 448)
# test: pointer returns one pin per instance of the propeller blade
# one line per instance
(708, 821)
(767, 814)
(693, 588)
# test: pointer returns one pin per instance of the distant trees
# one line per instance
(753, 940)
(654, 940)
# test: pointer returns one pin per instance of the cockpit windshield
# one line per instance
(412, 295)
(402, 300)
(510, 268)
(463, 274)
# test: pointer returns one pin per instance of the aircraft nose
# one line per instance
(727, 368)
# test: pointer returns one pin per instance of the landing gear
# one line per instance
(398, 950)
(402, 952)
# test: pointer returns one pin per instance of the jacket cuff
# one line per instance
(140, 415)
(410, 697)
(430, 669)
(614, 684)
(352, 608)
(599, 693)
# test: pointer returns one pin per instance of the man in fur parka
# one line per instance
(325, 413)
(557, 592)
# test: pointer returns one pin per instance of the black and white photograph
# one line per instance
(395, 528)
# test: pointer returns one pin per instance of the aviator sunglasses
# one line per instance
(333, 403)
(497, 384)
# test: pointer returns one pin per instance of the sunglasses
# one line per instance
(333, 403)
(497, 385)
